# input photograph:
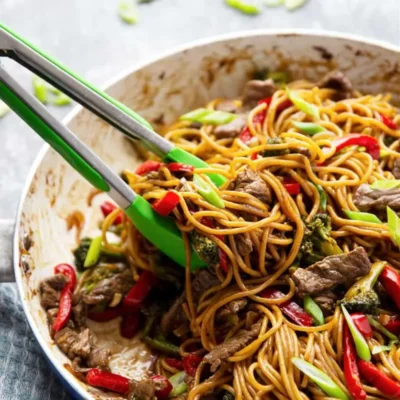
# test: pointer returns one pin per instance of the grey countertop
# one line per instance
(88, 36)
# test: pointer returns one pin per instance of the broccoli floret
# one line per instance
(275, 153)
(205, 248)
(101, 272)
(228, 396)
(106, 256)
(361, 297)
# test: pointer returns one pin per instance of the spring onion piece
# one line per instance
(39, 89)
(302, 105)
(308, 127)
(178, 384)
(380, 328)
(206, 116)
(208, 192)
(294, 4)
(274, 3)
(393, 225)
(61, 100)
(93, 253)
(320, 378)
(323, 199)
(385, 184)
(362, 216)
(359, 341)
(314, 310)
(380, 349)
(127, 11)
(245, 8)
(4, 109)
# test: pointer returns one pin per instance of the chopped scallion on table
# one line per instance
(244, 7)
(127, 11)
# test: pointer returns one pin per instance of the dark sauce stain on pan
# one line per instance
(325, 54)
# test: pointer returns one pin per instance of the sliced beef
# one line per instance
(104, 291)
(175, 316)
(396, 168)
(98, 358)
(232, 129)
(227, 106)
(256, 90)
(367, 199)
(224, 350)
(143, 390)
(338, 81)
(244, 244)
(250, 182)
(341, 269)
(327, 302)
(78, 311)
(232, 308)
(50, 290)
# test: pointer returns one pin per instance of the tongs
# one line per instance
(161, 231)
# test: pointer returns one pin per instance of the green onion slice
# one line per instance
(4, 109)
(292, 5)
(314, 310)
(302, 105)
(61, 100)
(393, 225)
(39, 89)
(380, 328)
(362, 216)
(385, 184)
(380, 349)
(323, 198)
(245, 8)
(93, 254)
(178, 384)
(361, 345)
(274, 3)
(127, 11)
(206, 116)
(207, 191)
(320, 378)
(308, 128)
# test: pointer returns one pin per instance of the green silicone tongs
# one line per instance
(160, 231)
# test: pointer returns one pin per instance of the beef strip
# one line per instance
(338, 81)
(224, 350)
(104, 291)
(250, 182)
(50, 290)
(396, 168)
(367, 199)
(244, 244)
(98, 358)
(327, 302)
(232, 129)
(256, 90)
(175, 316)
(143, 390)
(341, 269)
(78, 311)
(232, 308)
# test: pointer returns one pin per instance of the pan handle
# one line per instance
(6, 264)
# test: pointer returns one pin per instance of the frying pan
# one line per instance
(160, 91)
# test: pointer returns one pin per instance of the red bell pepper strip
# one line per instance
(69, 272)
(179, 167)
(291, 186)
(378, 379)
(191, 363)
(393, 326)
(388, 122)
(107, 380)
(107, 208)
(163, 386)
(135, 297)
(174, 363)
(166, 204)
(64, 309)
(283, 106)
(362, 324)
(148, 166)
(390, 280)
(107, 315)
(356, 139)
(350, 368)
(130, 325)
(290, 308)
(245, 136)
(259, 118)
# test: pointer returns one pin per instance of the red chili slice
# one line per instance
(134, 299)
(69, 272)
(107, 380)
(388, 122)
(165, 205)
(179, 167)
(64, 309)
(362, 324)
(148, 166)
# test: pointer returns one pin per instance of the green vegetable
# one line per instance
(323, 199)
(61, 100)
(361, 296)
(359, 340)
(383, 153)
(93, 253)
(207, 191)
(162, 346)
(308, 127)
(279, 77)
(127, 11)
(99, 273)
(393, 225)
(380, 328)
(178, 383)
(243, 7)
(302, 105)
(380, 349)
(205, 248)
(314, 310)
(385, 184)
(273, 3)
(320, 378)
(4, 109)
(206, 116)
(362, 216)
(39, 89)
(275, 153)
(228, 396)
(292, 5)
